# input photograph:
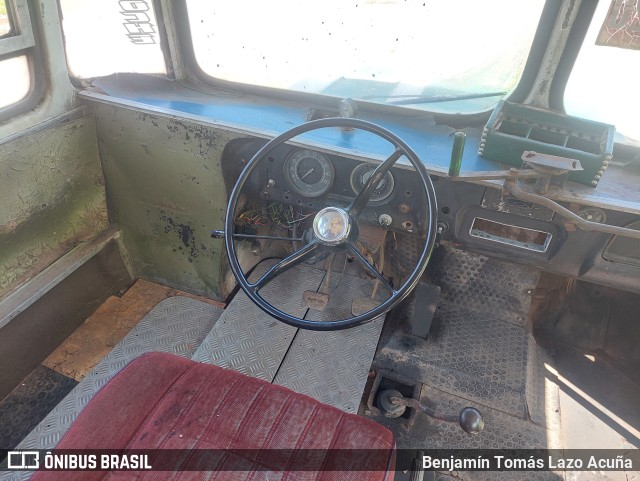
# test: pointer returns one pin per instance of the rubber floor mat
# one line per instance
(30, 402)
(479, 353)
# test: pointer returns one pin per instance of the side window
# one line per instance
(102, 38)
(17, 46)
(602, 85)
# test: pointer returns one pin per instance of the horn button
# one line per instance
(332, 226)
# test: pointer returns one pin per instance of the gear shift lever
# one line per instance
(393, 404)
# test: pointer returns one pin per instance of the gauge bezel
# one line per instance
(359, 170)
(328, 169)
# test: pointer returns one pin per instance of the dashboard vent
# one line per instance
(521, 237)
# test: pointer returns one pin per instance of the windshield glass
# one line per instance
(439, 56)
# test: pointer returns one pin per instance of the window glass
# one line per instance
(412, 53)
(106, 37)
(603, 82)
(16, 81)
(5, 26)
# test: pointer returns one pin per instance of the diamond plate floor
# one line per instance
(329, 366)
(333, 366)
(176, 325)
(249, 340)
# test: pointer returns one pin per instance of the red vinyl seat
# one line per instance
(161, 401)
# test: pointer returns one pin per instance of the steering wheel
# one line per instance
(335, 229)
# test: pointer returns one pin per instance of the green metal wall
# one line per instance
(165, 193)
(52, 197)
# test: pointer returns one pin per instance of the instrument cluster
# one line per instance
(313, 179)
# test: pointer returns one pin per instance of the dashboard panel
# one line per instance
(470, 216)
(313, 180)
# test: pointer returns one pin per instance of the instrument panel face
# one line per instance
(312, 179)
(311, 174)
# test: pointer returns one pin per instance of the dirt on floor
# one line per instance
(113, 320)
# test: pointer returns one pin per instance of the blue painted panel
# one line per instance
(431, 142)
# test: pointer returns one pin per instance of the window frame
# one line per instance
(194, 72)
(23, 40)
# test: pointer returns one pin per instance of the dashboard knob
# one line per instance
(385, 220)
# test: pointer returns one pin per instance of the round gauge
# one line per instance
(310, 173)
(593, 214)
(360, 176)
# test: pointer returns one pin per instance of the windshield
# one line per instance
(439, 56)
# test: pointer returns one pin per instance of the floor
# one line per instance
(480, 352)
(41, 391)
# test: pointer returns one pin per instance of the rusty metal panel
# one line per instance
(166, 192)
(52, 197)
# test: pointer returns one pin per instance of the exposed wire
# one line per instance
(276, 215)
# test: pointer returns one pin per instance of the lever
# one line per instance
(219, 234)
(393, 405)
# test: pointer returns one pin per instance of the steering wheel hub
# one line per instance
(332, 226)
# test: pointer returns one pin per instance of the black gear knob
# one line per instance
(471, 420)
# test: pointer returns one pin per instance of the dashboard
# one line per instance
(470, 216)
(313, 180)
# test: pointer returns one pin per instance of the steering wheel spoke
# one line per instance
(285, 264)
(369, 268)
(377, 175)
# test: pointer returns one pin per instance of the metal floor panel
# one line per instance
(468, 354)
(176, 325)
(332, 367)
(246, 338)
(479, 353)
(490, 286)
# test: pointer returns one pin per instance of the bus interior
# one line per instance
(400, 225)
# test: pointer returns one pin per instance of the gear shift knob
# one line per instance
(471, 420)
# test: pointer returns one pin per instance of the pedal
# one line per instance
(315, 300)
(426, 301)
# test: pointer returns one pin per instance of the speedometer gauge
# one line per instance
(360, 176)
(310, 173)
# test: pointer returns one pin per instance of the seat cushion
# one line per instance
(161, 401)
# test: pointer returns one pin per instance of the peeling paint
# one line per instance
(52, 197)
(166, 193)
(184, 231)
